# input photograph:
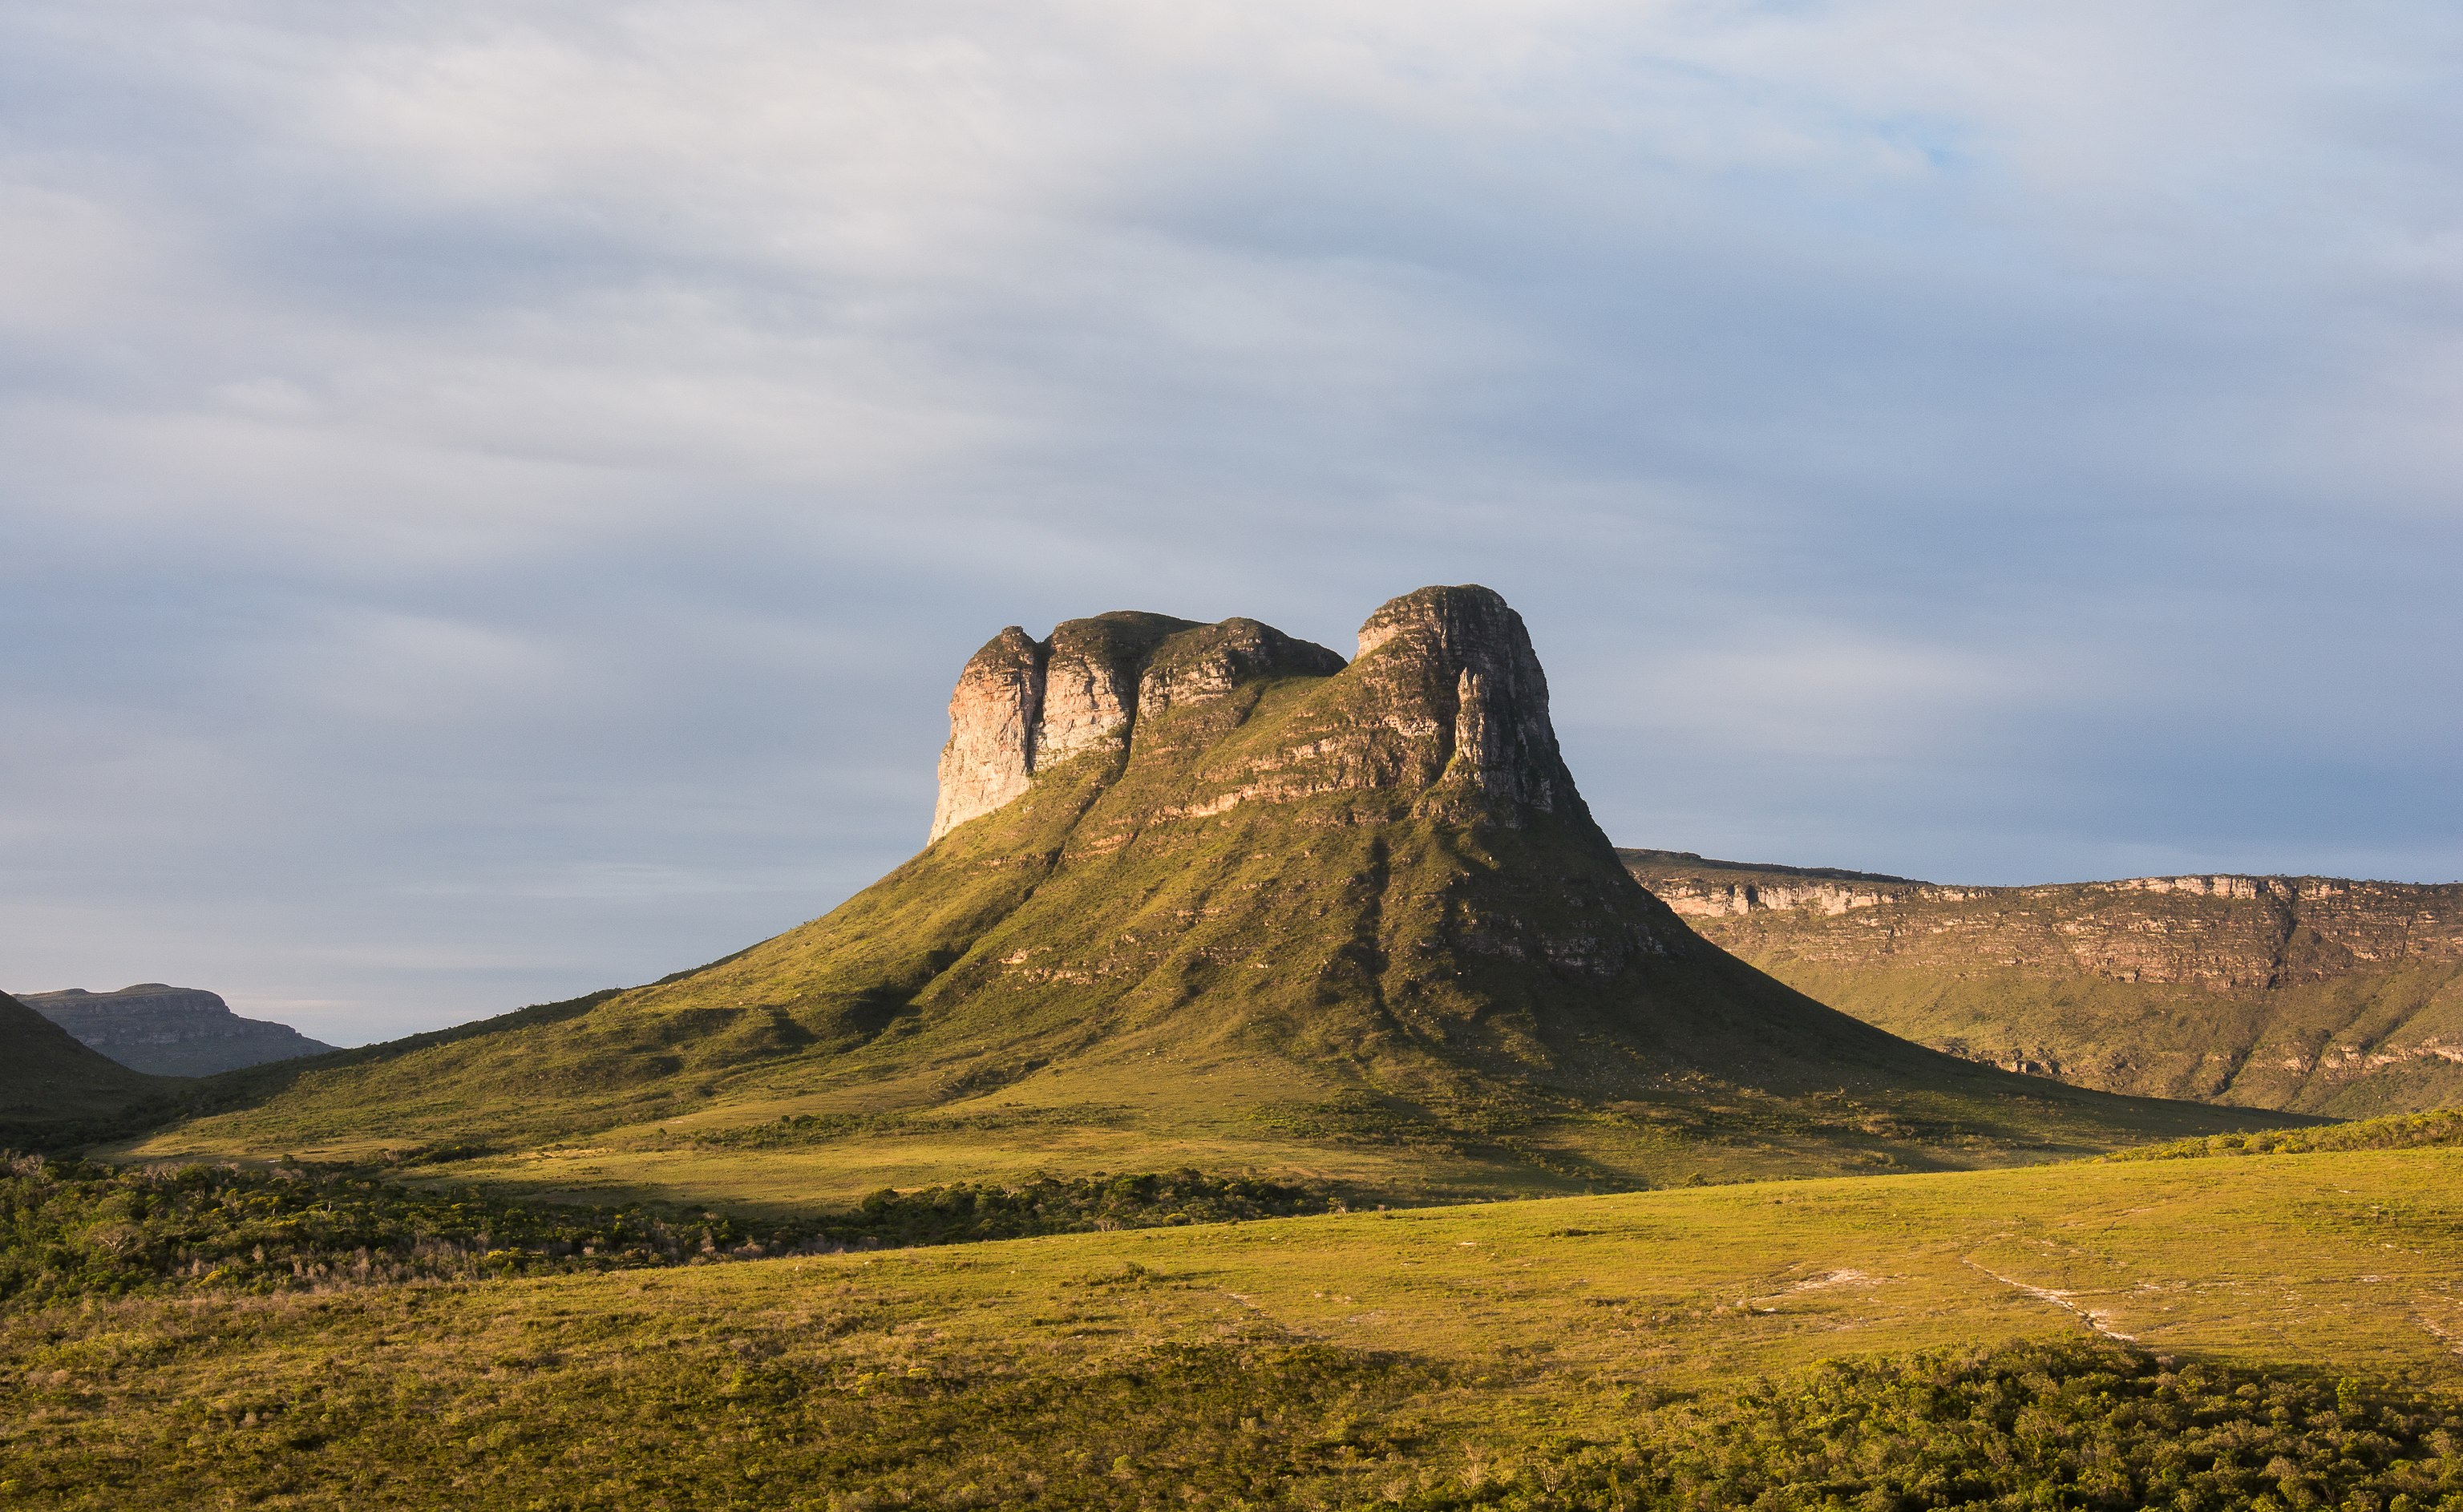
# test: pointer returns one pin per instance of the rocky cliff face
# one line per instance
(169, 1031)
(2315, 992)
(1464, 688)
(1451, 691)
(1024, 706)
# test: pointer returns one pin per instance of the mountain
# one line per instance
(169, 1031)
(1208, 895)
(53, 1087)
(2315, 993)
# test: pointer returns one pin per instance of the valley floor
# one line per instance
(1444, 1357)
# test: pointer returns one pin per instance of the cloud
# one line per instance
(483, 478)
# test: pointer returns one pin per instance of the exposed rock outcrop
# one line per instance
(1210, 661)
(1023, 706)
(990, 753)
(1450, 696)
(2215, 932)
(1458, 666)
(169, 1031)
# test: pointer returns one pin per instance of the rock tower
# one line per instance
(1449, 689)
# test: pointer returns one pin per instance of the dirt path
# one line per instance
(2063, 1299)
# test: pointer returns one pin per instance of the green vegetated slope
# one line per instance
(2313, 994)
(53, 1088)
(1222, 902)
(2189, 1333)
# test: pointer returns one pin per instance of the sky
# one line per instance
(497, 495)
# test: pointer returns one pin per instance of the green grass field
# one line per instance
(1574, 1351)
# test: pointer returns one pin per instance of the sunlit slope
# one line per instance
(2315, 993)
(50, 1085)
(1360, 1350)
(1356, 925)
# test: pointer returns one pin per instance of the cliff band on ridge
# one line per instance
(2317, 994)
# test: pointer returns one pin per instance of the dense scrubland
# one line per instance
(83, 1229)
(2442, 1126)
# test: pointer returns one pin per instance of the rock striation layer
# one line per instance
(2319, 994)
(169, 1031)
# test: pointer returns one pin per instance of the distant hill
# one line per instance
(169, 1031)
(53, 1087)
(2315, 993)
(1207, 895)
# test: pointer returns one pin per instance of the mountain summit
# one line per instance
(1207, 894)
(1445, 688)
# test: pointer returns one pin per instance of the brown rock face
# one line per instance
(1451, 697)
(1025, 706)
(1211, 660)
(1090, 690)
(1465, 684)
(2216, 932)
(990, 753)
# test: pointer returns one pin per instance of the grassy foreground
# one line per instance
(2291, 1330)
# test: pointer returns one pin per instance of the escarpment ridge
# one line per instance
(2319, 994)
(1210, 895)
(169, 1031)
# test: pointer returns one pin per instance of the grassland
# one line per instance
(1579, 1352)
(766, 1140)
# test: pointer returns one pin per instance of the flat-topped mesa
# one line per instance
(1446, 695)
